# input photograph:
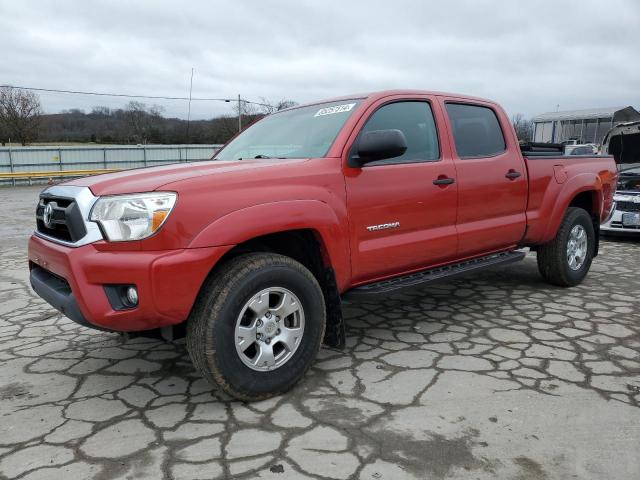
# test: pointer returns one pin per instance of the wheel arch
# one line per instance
(258, 221)
(317, 247)
(582, 191)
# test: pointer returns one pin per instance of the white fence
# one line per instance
(44, 159)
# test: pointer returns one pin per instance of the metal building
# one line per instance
(585, 126)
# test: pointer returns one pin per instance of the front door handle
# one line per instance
(512, 174)
(443, 181)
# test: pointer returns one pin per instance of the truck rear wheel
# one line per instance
(257, 325)
(566, 260)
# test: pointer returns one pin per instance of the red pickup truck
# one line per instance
(359, 196)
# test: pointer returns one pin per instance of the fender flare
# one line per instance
(585, 182)
(266, 218)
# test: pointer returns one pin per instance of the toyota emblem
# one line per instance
(47, 215)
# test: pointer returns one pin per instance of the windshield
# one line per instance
(303, 132)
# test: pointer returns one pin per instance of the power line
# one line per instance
(124, 95)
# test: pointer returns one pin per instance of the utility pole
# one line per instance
(189, 110)
(239, 114)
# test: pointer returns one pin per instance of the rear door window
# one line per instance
(476, 130)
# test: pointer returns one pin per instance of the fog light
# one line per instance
(132, 296)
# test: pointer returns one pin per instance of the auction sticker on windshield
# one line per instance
(335, 109)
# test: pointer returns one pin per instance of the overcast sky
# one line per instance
(530, 57)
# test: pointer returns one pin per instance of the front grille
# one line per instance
(65, 222)
(628, 206)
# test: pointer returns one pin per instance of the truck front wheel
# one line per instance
(257, 325)
(566, 259)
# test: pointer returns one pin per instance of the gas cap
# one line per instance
(560, 173)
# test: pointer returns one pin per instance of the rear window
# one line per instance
(476, 130)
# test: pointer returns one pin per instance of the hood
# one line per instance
(623, 142)
(154, 178)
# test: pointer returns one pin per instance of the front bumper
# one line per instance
(57, 293)
(614, 224)
(72, 280)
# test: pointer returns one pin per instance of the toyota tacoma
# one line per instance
(252, 252)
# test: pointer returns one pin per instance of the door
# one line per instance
(492, 181)
(401, 220)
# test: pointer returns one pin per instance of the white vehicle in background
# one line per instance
(623, 142)
(626, 210)
(581, 149)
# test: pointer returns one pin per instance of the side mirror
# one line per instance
(378, 145)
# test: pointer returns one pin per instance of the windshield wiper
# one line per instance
(263, 156)
(257, 156)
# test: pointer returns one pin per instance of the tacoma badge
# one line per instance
(383, 226)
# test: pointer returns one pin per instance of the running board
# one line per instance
(446, 272)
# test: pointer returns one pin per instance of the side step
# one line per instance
(392, 285)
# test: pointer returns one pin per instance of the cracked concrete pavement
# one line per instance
(496, 375)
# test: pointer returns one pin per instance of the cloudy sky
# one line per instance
(531, 58)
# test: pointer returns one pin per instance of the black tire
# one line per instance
(211, 325)
(553, 263)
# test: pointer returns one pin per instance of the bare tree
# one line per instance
(253, 111)
(144, 123)
(4, 134)
(523, 127)
(20, 112)
(247, 109)
(285, 103)
(136, 112)
(269, 107)
(263, 107)
(100, 111)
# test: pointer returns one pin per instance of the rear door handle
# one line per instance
(444, 181)
(512, 174)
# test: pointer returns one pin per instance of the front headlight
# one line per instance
(132, 217)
